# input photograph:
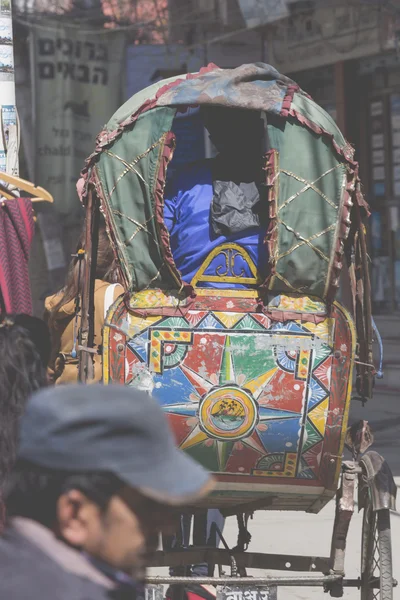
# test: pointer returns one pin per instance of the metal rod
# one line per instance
(256, 581)
(86, 333)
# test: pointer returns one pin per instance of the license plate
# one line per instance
(239, 592)
(154, 592)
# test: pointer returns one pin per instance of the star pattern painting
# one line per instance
(243, 394)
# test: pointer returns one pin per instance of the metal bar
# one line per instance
(256, 581)
(86, 365)
(343, 515)
(249, 560)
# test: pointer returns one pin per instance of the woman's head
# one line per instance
(24, 349)
(106, 265)
(106, 269)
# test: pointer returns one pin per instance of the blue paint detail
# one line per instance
(280, 433)
(316, 394)
(272, 413)
(218, 264)
(175, 388)
(209, 322)
(284, 361)
(188, 410)
(287, 326)
(305, 471)
(140, 344)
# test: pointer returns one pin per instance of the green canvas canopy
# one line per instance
(309, 169)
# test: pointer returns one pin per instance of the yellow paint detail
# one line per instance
(138, 324)
(350, 323)
(106, 347)
(229, 319)
(227, 293)
(296, 303)
(303, 364)
(225, 250)
(289, 470)
(155, 298)
(196, 437)
(324, 330)
(228, 413)
(318, 416)
(256, 385)
(158, 338)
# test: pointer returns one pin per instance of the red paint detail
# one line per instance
(179, 426)
(338, 391)
(262, 319)
(321, 372)
(195, 317)
(313, 457)
(245, 458)
(285, 396)
(288, 99)
(117, 359)
(290, 399)
(205, 358)
(271, 165)
(278, 481)
(200, 389)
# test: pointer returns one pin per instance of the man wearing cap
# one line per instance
(97, 478)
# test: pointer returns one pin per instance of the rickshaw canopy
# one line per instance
(309, 170)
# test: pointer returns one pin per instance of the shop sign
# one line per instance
(324, 36)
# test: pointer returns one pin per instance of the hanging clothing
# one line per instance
(17, 229)
(63, 368)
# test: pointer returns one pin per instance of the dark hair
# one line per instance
(106, 270)
(225, 125)
(38, 332)
(33, 491)
(22, 372)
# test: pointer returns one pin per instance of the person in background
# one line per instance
(98, 477)
(213, 201)
(206, 204)
(62, 312)
(24, 351)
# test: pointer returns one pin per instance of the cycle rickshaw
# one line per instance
(255, 375)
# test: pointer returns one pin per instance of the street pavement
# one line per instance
(301, 533)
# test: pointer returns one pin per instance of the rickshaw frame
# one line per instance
(376, 487)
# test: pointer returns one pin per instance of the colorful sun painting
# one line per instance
(244, 394)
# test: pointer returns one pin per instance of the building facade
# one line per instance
(348, 60)
(347, 57)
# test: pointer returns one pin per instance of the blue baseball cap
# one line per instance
(113, 429)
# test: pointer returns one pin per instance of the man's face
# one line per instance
(124, 535)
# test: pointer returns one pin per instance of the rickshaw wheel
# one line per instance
(376, 555)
